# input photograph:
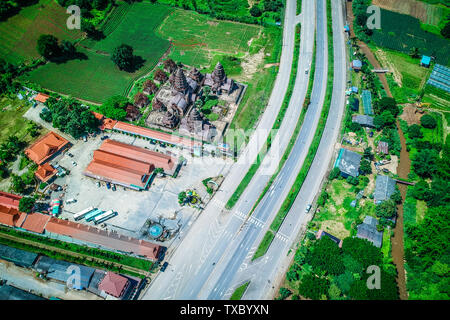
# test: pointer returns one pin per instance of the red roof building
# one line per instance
(35, 222)
(45, 172)
(114, 284)
(105, 123)
(9, 200)
(157, 135)
(41, 97)
(127, 165)
(11, 217)
(46, 147)
(107, 239)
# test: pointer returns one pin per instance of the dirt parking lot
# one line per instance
(133, 207)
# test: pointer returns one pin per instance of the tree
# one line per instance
(284, 293)
(26, 204)
(313, 287)
(345, 280)
(114, 108)
(17, 184)
(325, 255)
(368, 153)
(255, 11)
(386, 104)
(415, 132)
(386, 209)
(424, 163)
(336, 172)
(68, 49)
(365, 167)
(421, 190)
(47, 46)
(414, 52)
(362, 251)
(428, 121)
(445, 32)
(123, 57)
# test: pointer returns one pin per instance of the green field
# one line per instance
(402, 33)
(19, 34)
(197, 39)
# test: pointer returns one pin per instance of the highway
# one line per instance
(195, 247)
(237, 259)
(277, 260)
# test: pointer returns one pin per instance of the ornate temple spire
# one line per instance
(180, 83)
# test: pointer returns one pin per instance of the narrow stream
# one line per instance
(397, 241)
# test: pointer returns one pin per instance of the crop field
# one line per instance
(96, 78)
(19, 34)
(425, 12)
(197, 39)
(402, 33)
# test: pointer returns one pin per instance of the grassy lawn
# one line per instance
(436, 134)
(413, 76)
(19, 34)
(197, 38)
(239, 292)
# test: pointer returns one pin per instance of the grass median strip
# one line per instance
(239, 292)
(254, 167)
(287, 204)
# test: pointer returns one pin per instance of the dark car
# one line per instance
(104, 138)
(164, 266)
(113, 187)
(108, 185)
(70, 155)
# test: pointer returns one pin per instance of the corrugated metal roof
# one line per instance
(384, 188)
(20, 257)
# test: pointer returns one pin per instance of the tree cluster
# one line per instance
(52, 49)
(69, 116)
(114, 108)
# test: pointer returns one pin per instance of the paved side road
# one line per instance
(200, 239)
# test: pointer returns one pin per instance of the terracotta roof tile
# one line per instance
(114, 284)
(46, 147)
(35, 222)
(45, 172)
(11, 217)
(9, 200)
(41, 97)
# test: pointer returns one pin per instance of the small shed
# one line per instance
(356, 65)
(363, 120)
(426, 61)
(383, 147)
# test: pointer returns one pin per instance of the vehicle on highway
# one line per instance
(306, 71)
(308, 207)
(164, 266)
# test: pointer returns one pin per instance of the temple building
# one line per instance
(218, 81)
(196, 125)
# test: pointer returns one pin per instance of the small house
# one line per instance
(426, 61)
(384, 188)
(368, 230)
(363, 120)
(348, 162)
(383, 147)
(356, 65)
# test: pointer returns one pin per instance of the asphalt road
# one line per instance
(191, 252)
(237, 258)
(277, 260)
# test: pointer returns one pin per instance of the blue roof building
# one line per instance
(357, 64)
(426, 61)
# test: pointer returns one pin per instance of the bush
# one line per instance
(428, 121)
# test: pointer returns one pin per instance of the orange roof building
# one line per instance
(157, 135)
(41, 97)
(9, 200)
(45, 172)
(114, 284)
(127, 165)
(35, 222)
(11, 217)
(107, 239)
(105, 123)
(46, 147)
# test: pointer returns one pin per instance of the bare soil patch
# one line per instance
(410, 114)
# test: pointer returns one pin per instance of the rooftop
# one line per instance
(103, 238)
(383, 147)
(46, 147)
(348, 162)
(113, 284)
(41, 97)
(20, 257)
(384, 188)
(8, 292)
(35, 222)
(363, 120)
(9, 200)
(368, 230)
(45, 172)
(11, 217)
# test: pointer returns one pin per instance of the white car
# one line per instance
(74, 163)
(308, 207)
(71, 200)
